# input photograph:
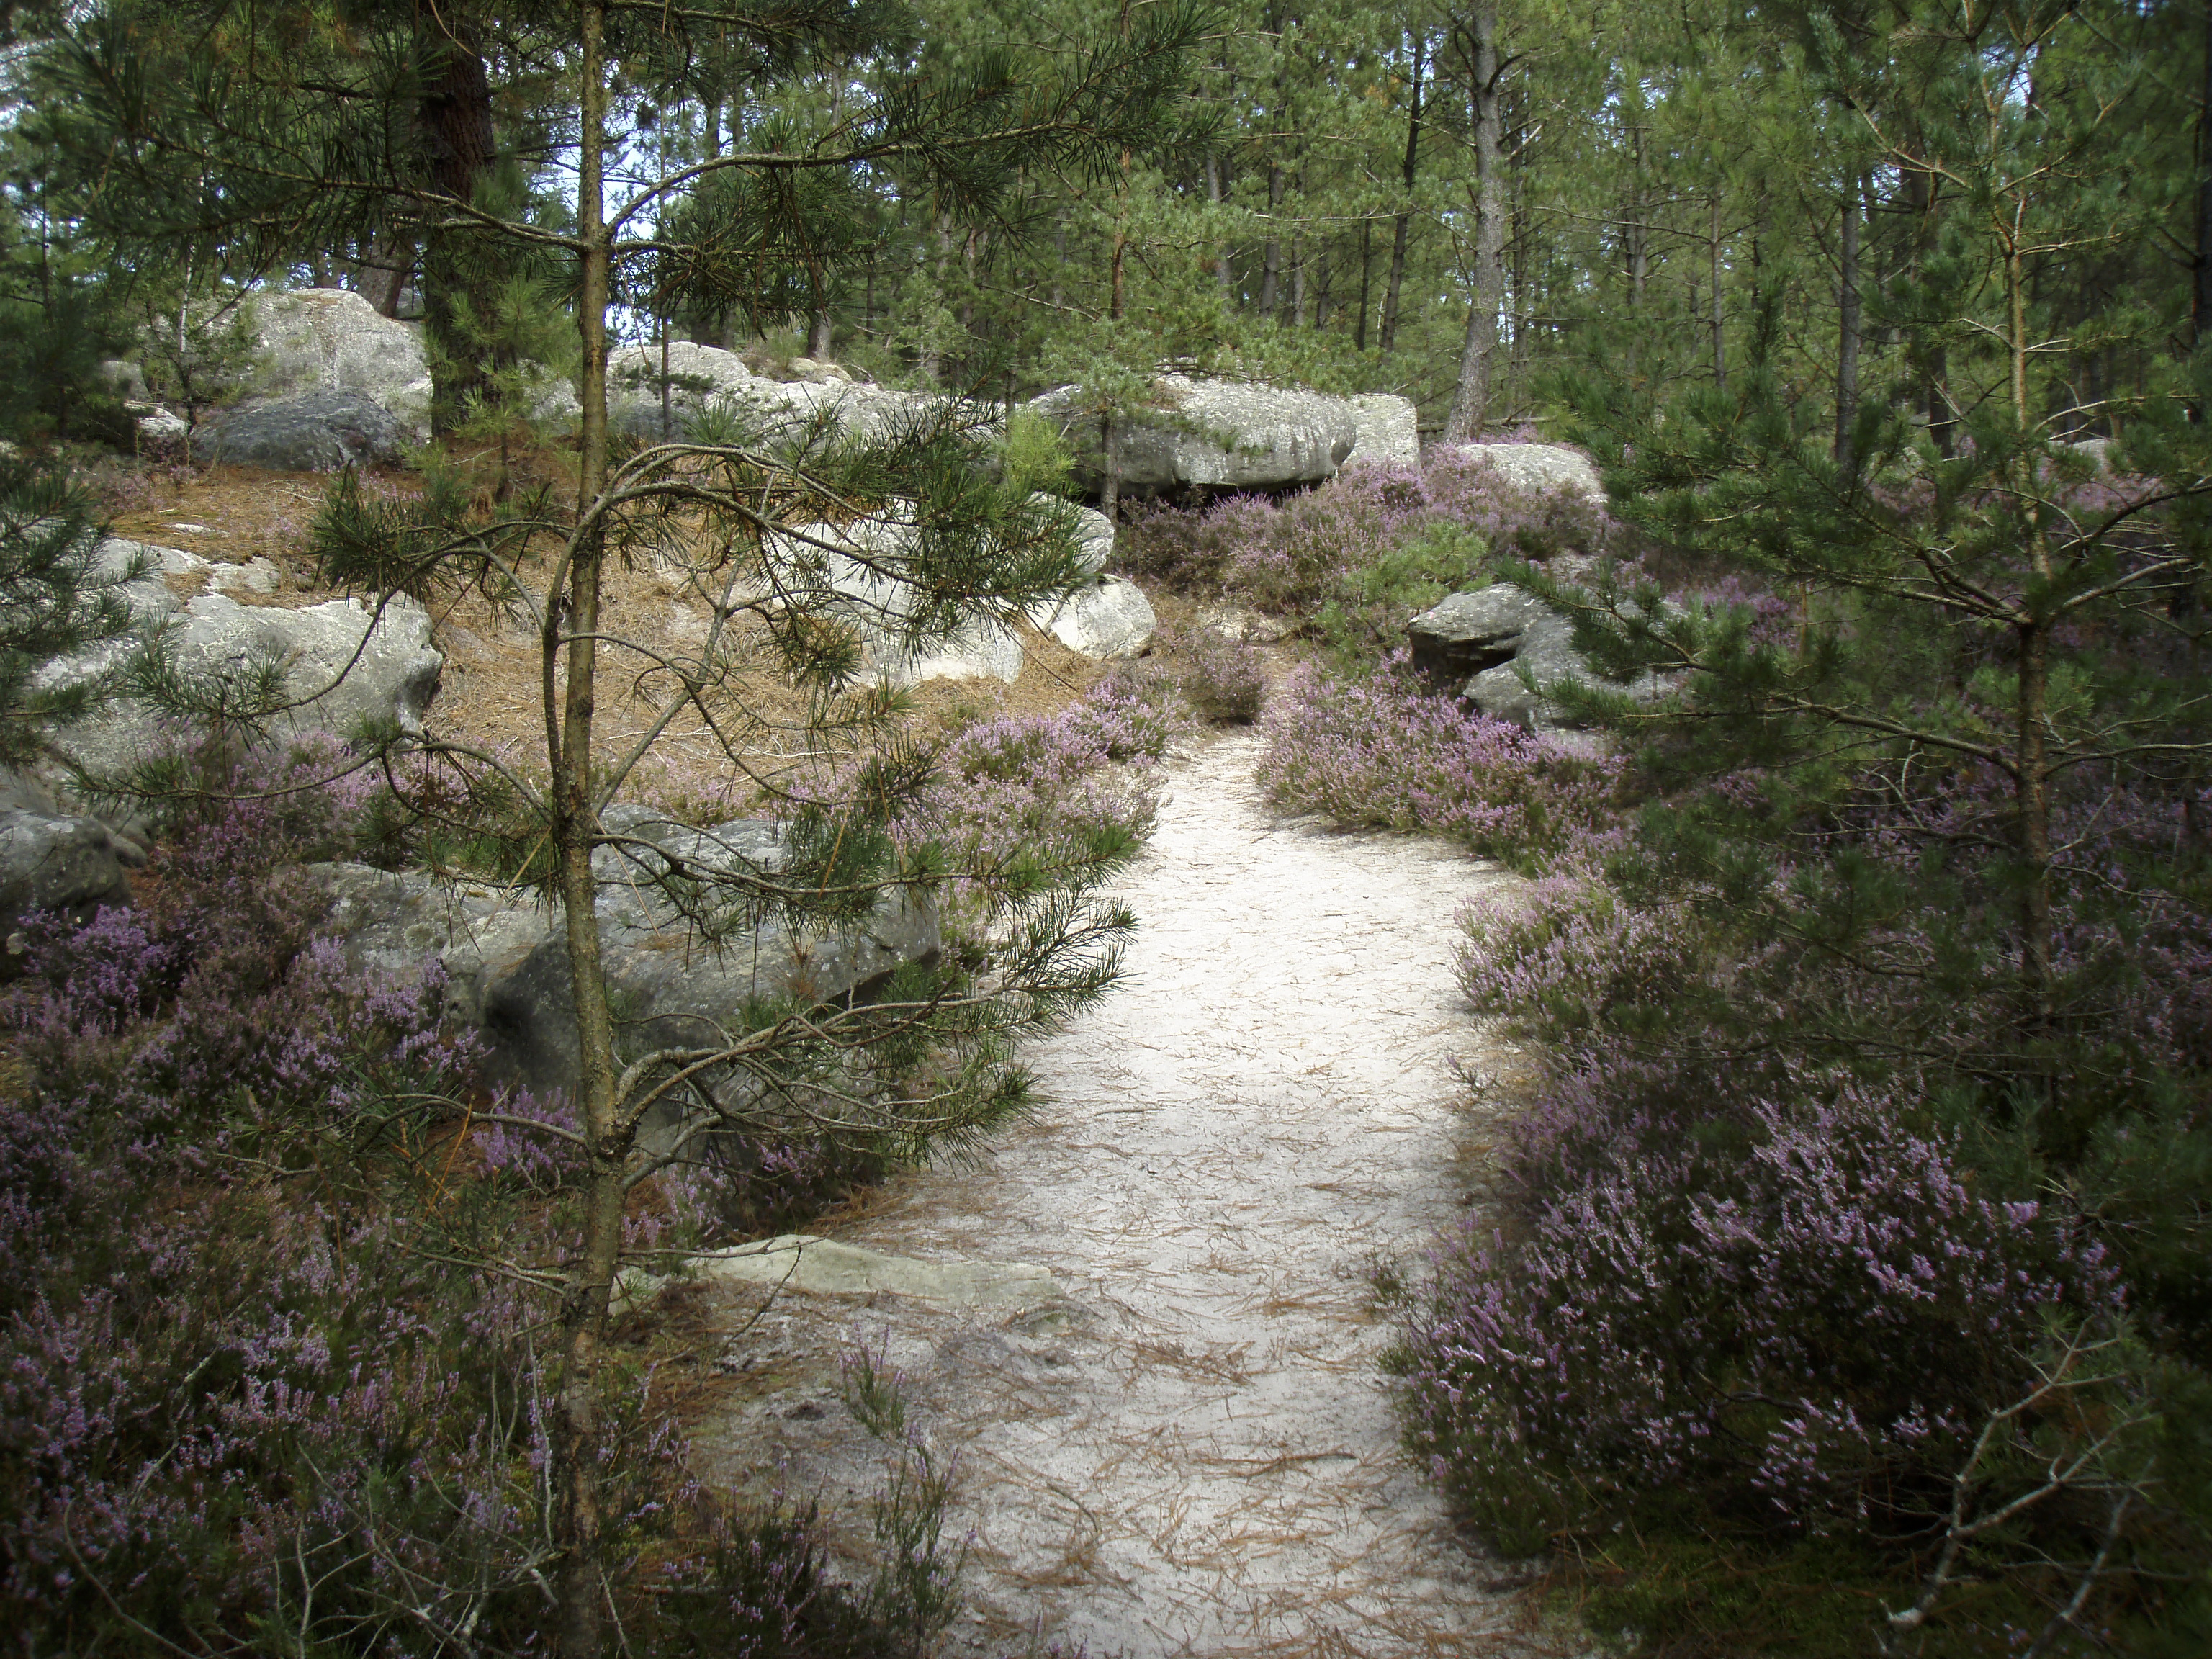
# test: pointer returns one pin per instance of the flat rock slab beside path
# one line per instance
(1188, 1448)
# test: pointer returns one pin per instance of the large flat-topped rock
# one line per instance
(822, 1266)
(1389, 430)
(1222, 433)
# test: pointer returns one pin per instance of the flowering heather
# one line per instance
(1324, 546)
(1384, 751)
(1804, 1306)
(1061, 796)
(254, 1396)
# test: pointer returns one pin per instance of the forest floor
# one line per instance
(1190, 1450)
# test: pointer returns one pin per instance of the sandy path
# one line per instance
(1193, 1455)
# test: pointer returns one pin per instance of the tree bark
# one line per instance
(1400, 232)
(1720, 337)
(570, 633)
(1221, 270)
(1923, 198)
(819, 333)
(2200, 307)
(460, 273)
(1470, 402)
(1271, 254)
(1847, 326)
(380, 275)
(1366, 276)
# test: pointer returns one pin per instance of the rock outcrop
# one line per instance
(1110, 620)
(308, 432)
(697, 376)
(54, 860)
(505, 956)
(1477, 643)
(330, 339)
(1542, 468)
(1387, 431)
(847, 572)
(346, 664)
(1223, 434)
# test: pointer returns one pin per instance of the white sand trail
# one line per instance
(1194, 1454)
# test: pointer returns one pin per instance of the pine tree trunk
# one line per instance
(1394, 287)
(569, 632)
(2033, 785)
(1720, 339)
(1471, 396)
(2200, 307)
(1221, 269)
(1109, 485)
(459, 273)
(1366, 276)
(1847, 326)
(1271, 253)
(380, 275)
(1922, 199)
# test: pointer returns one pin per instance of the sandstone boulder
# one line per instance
(1223, 434)
(329, 339)
(698, 375)
(1387, 431)
(347, 665)
(51, 860)
(1479, 642)
(1468, 633)
(505, 956)
(847, 573)
(307, 432)
(820, 372)
(1110, 620)
(1542, 468)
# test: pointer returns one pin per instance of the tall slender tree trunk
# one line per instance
(2199, 306)
(1271, 252)
(1214, 187)
(1394, 287)
(2033, 784)
(570, 634)
(380, 275)
(1470, 402)
(1922, 195)
(1847, 326)
(818, 334)
(460, 274)
(1366, 277)
(1059, 256)
(1720, 315)
(1517, 237)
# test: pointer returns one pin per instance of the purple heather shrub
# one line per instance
(1384, 751)
(1806, 1304)
(1296, 554)
(1220, 678)
(1052, 788)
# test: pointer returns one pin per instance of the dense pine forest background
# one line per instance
(1652, 194)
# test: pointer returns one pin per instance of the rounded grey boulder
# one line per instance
(310, 432)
